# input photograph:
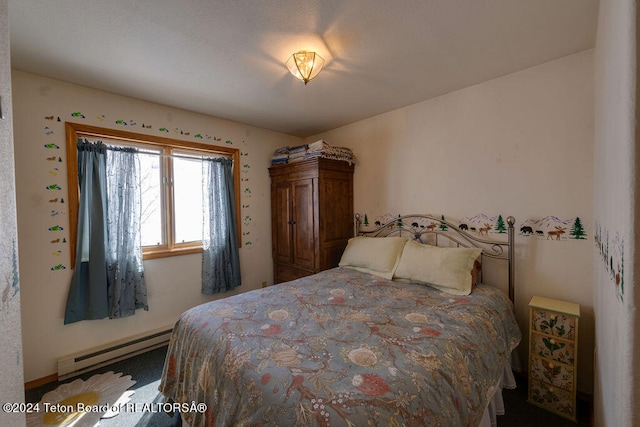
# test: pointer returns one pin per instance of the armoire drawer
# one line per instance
(285, 273)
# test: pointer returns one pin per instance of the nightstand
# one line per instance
(553, 355)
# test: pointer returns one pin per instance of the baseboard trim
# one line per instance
(41, 381)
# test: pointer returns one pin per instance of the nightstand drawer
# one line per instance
(555, 324)
(553, 353)
(554, 373)
(552, 398)
(553, 348)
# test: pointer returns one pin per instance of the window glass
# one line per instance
(187, 189)
(151, 192)
(171, 177)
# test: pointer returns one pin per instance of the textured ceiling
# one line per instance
(226, 58)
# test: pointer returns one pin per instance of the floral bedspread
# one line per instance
(341, 348)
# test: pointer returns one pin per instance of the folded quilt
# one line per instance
(317, 149)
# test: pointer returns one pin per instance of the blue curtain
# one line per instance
(108, 280)
(87, 297)
(125, 275)
(220, 255)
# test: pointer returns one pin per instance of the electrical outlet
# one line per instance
(264, 284)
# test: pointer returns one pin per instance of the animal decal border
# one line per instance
(53, 126)
(549, 227)
(610, 246)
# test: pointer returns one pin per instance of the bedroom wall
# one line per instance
(41, 106)
(616, 213)
(11, 389)
(519, 145)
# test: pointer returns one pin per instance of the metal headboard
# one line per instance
(413, 226)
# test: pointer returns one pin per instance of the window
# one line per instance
(171, 191)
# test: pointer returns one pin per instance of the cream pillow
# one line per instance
(447, 269)
(374, 255)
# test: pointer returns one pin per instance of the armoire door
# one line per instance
(283, 222)
(303, 226)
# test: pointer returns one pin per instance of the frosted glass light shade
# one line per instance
(305, 65)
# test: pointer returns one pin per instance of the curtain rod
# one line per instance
(154, 153)
(184, 156)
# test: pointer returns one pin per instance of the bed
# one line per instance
(365, 343)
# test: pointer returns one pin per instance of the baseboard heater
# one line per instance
(79, 363)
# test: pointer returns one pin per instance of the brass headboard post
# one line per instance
(511, 256)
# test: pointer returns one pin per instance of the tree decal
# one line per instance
(577, 230)
(620, 274)
(366, 220)
(500, 227)
(443, 226)
(16, 276)
(399, 223)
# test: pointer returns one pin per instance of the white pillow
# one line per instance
(374, 255)
(447, 269)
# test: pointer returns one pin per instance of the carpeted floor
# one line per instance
(146, 370)
(519, 413)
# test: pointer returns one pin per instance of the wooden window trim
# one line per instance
(76, 130)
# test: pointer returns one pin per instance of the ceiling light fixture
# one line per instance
(305, 65)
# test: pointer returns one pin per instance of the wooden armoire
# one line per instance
(312, 216)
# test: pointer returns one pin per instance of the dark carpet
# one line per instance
(519, 413)
(146, 370)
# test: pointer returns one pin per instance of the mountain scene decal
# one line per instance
(547, 228)
(553, 228)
